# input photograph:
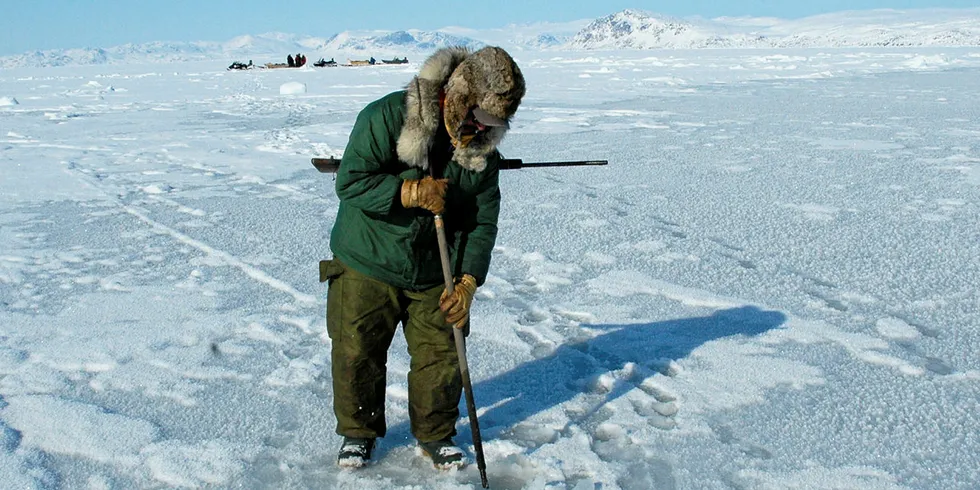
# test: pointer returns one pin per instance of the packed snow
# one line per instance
(772, 284)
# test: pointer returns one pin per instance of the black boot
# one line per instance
(445, 454)
(355, 452)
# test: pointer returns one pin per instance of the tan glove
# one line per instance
(426, 193)
(456, 306)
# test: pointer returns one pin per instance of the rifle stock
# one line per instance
(331, 165)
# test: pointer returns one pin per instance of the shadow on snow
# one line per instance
(571, 369)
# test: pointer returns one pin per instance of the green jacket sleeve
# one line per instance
(477, 240)
(362, 180)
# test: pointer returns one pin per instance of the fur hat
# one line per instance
(488, 78)
(491, 80)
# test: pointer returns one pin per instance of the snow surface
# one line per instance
(771, 285)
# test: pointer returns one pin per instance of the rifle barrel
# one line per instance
(330, 165)
(516, 163)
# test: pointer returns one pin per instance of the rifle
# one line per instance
(331, 165)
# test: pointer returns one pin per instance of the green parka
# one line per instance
(375, 235)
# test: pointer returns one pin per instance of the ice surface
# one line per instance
(771, 285)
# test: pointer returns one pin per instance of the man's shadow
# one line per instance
(571, 369)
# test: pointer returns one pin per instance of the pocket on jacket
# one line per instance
(330, 269)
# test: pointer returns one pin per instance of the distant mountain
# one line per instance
(521, 37)
(629, 29)
(398, 42)
(930, 27)
(127, 53)
(259, 48)
(274, 46)
(634, 29)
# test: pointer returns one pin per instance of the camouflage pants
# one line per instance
(362, 316)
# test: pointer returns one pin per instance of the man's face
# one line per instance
(470, 126)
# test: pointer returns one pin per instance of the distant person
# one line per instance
(371, 61)
(290, 61)
(386, 268)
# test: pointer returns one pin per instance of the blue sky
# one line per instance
(53, 24)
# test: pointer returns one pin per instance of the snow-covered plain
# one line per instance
(773, 284)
